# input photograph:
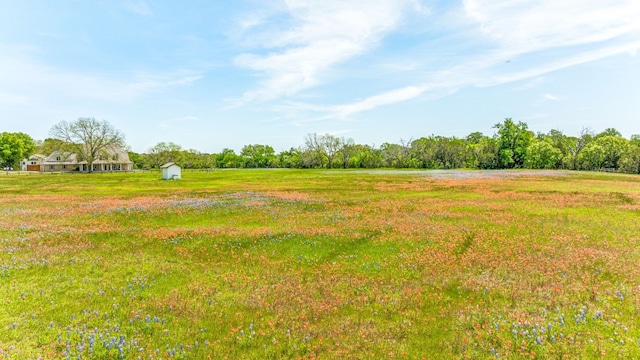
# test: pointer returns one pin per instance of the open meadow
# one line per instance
(250, 264)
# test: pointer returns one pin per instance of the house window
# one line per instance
(115, 157)
(57, 158)
(33, 163)
(51, 167)
(64, 166)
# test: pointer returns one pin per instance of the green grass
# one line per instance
(320, 264)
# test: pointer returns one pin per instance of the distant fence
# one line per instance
(27, 173)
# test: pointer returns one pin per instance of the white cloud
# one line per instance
(19, 73)
(319, 36)
(323, 35)
(479, 73)
(562, 63)
(521, 27)
(391, 97)
(529, 25)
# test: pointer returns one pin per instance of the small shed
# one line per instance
(171, 171)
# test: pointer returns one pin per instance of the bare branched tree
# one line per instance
(88, 138)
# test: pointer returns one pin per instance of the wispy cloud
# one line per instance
(518, 29)
(319, 36)
(391, 97)
(478, 73)
(22, 74)
(529, 25)
(550, 97)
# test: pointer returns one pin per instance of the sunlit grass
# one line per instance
(320, 264)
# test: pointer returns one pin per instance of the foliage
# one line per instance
(90, 139)
(163, 153)
(541, 154)
(513, 145)
(14, 147)
(614, 147)
(50, 145)
(513, 141)
(229, 159)
(630, 160)
(592, 157)
(258, 156)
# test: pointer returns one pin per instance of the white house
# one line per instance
(113, 159)
(33, 163)
(171, 171)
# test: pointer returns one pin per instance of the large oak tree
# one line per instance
(89, 138)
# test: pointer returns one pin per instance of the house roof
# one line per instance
(70, 158)
(169, 164)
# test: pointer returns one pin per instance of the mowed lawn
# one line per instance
(320, 264)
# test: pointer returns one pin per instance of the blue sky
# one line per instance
(217, 74)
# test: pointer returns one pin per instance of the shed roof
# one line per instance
(169, 164)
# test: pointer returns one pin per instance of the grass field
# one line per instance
(320, 264)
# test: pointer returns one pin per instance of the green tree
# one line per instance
(541, 154)
(576, 145)
(164, 152)
(450, 152)
(365, 156)
(630, 159)
(289, 159)
(564, 144)
(331, 145)
(486, 154)
(614, 147)
(423, 152)
(476, 146)
(609, 132)
(138, 160)
(14, 147)
(314, 154)
(228, 159)
(513, 140)
(50, 145)
(346, 151)
(88, 138)
(258, 156)
(194, 159)
(591, 157)
(397, 155)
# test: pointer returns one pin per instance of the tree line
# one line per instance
(512, 146)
